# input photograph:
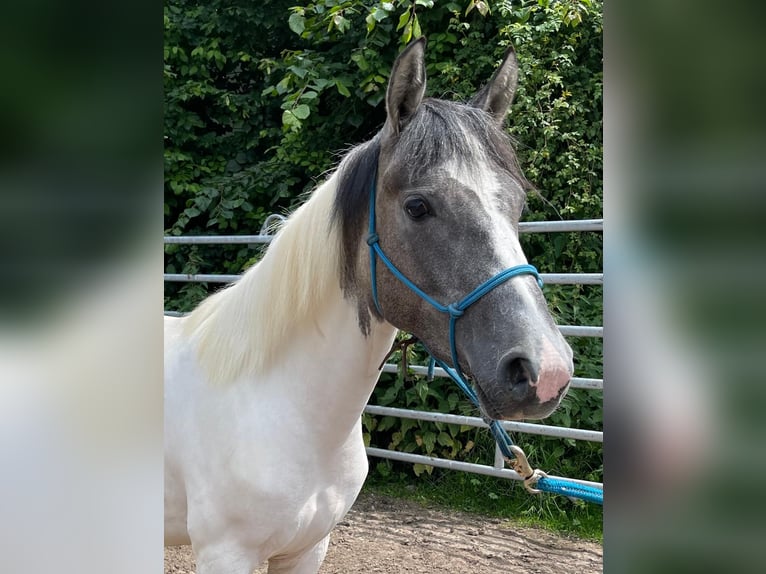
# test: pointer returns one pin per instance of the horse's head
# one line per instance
(447, 201)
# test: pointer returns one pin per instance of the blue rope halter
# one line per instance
(455, 311)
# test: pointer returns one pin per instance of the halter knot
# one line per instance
(454, 310)
(372, 239)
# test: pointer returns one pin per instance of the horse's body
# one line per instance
(265, 382)
(266, 465)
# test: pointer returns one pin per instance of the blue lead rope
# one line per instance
(571, 489)
(511, 452)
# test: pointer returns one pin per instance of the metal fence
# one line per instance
(498, 467)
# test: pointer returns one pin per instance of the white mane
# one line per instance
(243, 328)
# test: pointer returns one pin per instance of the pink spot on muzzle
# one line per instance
(555, 372)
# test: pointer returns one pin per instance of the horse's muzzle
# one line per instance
(531, 384)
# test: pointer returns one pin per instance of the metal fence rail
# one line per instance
(566, 330)
(498, 468)
(575, 383)
(548, 278)
(264, 237)
(510, 426)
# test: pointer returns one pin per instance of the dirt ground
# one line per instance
(387, 535)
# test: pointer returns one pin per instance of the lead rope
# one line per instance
(535, 481)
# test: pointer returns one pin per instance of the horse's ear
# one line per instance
(495, 98)
(406, 85)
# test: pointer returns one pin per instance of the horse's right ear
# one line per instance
(406, 85)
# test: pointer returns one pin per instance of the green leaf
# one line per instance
(342, 89)
(407, 34)
(302, 111)
(403, 19)
(379, 14)
(383, 468)
(389, 396)
(386, 423)
(289, 120)
(429, 441)
(297, 23)
(422, 389)
(300, 72)
(359, 59)
(445, 439)
(341, 23)
(321, 83)
(283, 85)
(407, 424)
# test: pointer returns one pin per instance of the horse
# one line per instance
(266, 380)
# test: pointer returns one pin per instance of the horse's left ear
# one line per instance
(495, 98)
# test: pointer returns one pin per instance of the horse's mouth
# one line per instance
(488, 408)
(530, 408)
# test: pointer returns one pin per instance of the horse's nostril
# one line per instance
(518, 373)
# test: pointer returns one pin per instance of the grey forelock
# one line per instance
(441, 131)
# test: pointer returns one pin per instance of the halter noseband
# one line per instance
(454, 310)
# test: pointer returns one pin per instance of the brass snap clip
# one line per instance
(521, 465)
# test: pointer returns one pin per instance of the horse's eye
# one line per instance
(417, 208)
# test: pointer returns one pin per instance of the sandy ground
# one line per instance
(388, 535)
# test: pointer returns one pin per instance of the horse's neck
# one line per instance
(332, 367)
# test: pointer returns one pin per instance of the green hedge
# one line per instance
(251, 122)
